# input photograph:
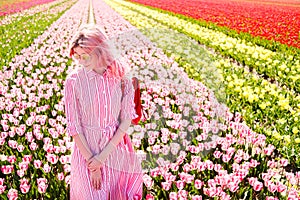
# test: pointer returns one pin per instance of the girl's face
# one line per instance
(88, 60)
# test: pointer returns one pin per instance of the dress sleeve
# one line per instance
(127, 104)
(71, 108)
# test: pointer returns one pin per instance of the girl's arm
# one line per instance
(83, 147)
(74, 128)
(113, 143)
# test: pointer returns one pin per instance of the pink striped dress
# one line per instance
(93, 104)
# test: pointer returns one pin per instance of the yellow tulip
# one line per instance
(295, 130)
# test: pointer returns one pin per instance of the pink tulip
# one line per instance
(148, 181)
(189, 178)
(13, 144)
(272, 187)
(196, 197)
(283, 162)
(52, 158)
(166, 185)
(182, 194)
(24, 188)
(42, 188)
(2, 188)
(211, 183)
(41, 181)
(20, 148)
(156, 149)
(253, 163)
(149, 197)
(151, 141)
(33, 146)
(23, 166)
(180, 184)
(187, 167)
(12, 194)
(217, 167)
(252, 180)
(29, 136)
(7, 169)
(233, 187)
(60, 176)
(271, 198)
(257, 186)
(209, 164)
(281, 187)
(230, 151)
(12, 159)
(210, 191)
(165, 149)
(37, 163)
(269, 149)
(173, 196)
(174, 167)
(198, 184)
(169, 177)
(174, 136)
(217, 154)
(225, 158)
(47, 168)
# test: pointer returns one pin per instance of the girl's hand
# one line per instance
(94, 164)
(96, 179)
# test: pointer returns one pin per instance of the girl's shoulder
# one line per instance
(73, 76)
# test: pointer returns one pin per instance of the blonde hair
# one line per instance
(91, 38)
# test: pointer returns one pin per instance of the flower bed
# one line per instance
(27, 28)
(35, 152)
(17, 6)
(264, 105)
(212, 153)
(229, 168)
(274, 66)
(7, 19)
(268, 20)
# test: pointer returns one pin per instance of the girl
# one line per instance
(98, 112)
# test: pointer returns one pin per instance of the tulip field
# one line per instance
(220, 83)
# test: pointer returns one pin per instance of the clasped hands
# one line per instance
(94, 165)
(96, 162)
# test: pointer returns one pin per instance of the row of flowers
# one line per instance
(27, 28)
(275, 66)
(274, 21)
(18, 6)
(195, 147)
(257, 40)
(35, 152)
(7, 19)
(264, 105)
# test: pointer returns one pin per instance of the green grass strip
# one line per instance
(21, 33)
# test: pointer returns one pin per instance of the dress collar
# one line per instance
(92, 74)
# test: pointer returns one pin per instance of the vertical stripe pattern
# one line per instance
(93, 104)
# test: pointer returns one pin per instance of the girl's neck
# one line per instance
(100, 70)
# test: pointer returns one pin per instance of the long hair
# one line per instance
(91, 38)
